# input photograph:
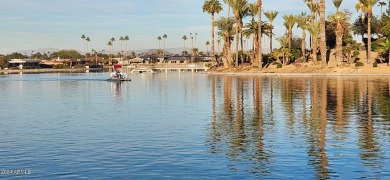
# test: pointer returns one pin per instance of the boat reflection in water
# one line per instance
(302, 127)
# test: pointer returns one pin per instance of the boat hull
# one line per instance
(122, 79)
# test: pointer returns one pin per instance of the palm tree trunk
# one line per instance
(254, 47)
(323, 34)
(212, 40)
(289, 39)
(369, 38)
(339, 44)
(303, 44)
(237, 41)
(314, 51)
(270, 37)
(259, 4)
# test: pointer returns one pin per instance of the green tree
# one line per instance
(284, 43)
(208, 44)
(126, 39)
(66, 54)
(339, 18)
(314, 29)
(271, 15)
(366, 7)
(121, 39)
(185, 39)
(88, 40)
(259, 11)
(3, 62)
(251, 28)
(83, 38)
(302, 21)
(164, 37)
(323, 34)
(313, 5)
(110, 45)
(159, 48)
(241, 10)
(384, 48)
(212, 7)
(289, 23)
(225, 25)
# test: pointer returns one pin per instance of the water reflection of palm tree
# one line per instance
(323, 166)
(316, 135)
(340, 104)
(367, 140)
(240, 135)
(214, 128)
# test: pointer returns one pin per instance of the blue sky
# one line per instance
(32, 24)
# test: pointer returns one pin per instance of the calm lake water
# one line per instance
(194, 126)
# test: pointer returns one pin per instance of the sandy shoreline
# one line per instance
(307, 69)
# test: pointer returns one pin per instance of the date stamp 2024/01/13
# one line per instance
(15, 171)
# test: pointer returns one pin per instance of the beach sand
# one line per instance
(310, 68)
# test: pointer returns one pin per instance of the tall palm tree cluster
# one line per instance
(110, 45)
(232, 29)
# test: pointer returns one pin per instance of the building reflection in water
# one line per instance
(336, 121)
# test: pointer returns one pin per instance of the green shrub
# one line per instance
(207, 65)
(375, 64)
(359, 64)
(279, 66)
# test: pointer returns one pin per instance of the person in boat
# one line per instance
(118, 74)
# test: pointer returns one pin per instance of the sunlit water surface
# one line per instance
(194, 125)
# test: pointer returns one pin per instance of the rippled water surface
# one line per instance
(180, 126)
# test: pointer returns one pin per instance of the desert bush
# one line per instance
(359, 64)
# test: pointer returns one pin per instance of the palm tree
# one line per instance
(240, 8)
(83, 38)
(251, 28)
(271, 15)
(225, 25)
(212, 7)
(126, 39)
(252, 8)
(228, 3)
(165, 37)
(112, 42)
(121, 39)
(302, 21)
(88, 40)
(284, 40)
(196, 34)
(322, 34)
(383, 48)
(184, 38)
(110, 45)
(289, 22)
(313, 5)
(259, 4)
(207, 44)
(366, 7)
(381, 4)
(339, 18)
(314, 29)
(159, 39)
